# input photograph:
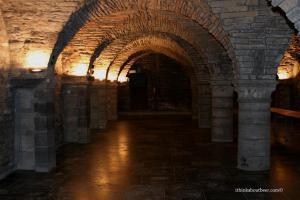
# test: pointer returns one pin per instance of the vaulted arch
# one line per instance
(96, 11)
(178, 28)
(164, 45)
(292, 10)
(4, 45)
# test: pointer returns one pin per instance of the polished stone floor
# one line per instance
(156, 159)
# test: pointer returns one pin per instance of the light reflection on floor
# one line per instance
(167, 158)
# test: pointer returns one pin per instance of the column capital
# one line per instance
(222, 88)
(255, 90)
(96, 84)
(221, 82)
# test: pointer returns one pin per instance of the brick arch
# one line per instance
(126, 66)
(195, 79)
(291, 9)
(159, 43)
(96, 10)
(4, 45)
(108, 55)
(209, 48)
(124, 69)
(4, 105)
(186, 63)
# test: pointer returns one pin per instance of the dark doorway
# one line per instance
(157, 83)
(138, 91)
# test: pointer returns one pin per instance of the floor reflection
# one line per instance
(165, 158)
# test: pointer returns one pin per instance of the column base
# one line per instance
(256, 164)
(5, 171)
(222, 140)
(254, 125)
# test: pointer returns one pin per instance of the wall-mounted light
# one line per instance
(283, 75)
(123, 79)
(132, 71)
(79, 69)
(37, 61)
(289, 67)
(113, 76)
(100, 74)
(285, 72)
(36, 70)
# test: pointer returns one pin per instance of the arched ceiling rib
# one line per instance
(100, 11)
(82, 45)
(122, 58)
(4, 45)
(126, 66)
(185, 54)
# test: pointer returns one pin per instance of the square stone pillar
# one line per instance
(112, 101)
(44, 125)
(254, 125)
(204, 105)
(98, 105)
(222, 111)
(124, 97)
(34, 125)
(76, 112)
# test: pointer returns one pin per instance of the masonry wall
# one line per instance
(34, 25)
(76, 113)
(259, 36)
(98, 105)
(6, 136)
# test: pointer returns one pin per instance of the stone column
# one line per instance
(222, 111)
(204, 105)
(98, 107)
(254, 125)
(45, 148)
(76, 112)
(112, 101)
(34, 125)
(195, 101)
(124, 97)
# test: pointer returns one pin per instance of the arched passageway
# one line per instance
(152, 87)
(216, 62)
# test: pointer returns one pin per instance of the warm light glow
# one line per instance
(36, 70)
(37, 60)
(132, 71)
(122, 79)
(100, 74)
(283, 75)
(289, 67)
(112, 77)
(287, 72)
(79, 69)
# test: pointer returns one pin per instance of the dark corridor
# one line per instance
(157, 83)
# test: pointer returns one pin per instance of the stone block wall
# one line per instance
(204, 105)
(112, 101)
(6, 136)
(34, 25)
(45, 148)
(292, 10)
(76, 113)
(123, 97)
(33, 138)
(258, 36)
(25, 129)
(98, 106)
(6, 142)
